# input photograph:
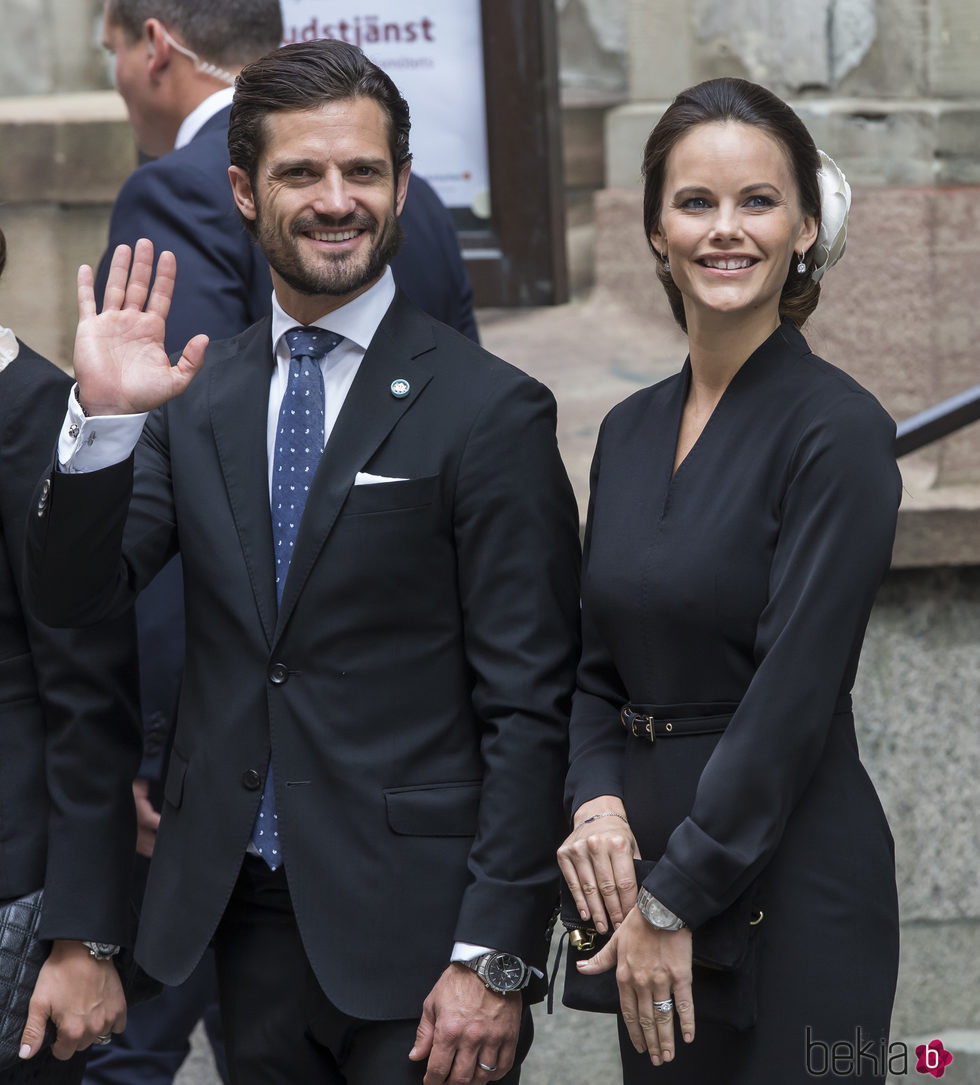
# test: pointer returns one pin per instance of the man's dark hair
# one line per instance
(307, 75)
(3, 252)
(228, 33)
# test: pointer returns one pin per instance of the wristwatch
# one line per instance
(101, 951)
(502, 973)
(656, 913)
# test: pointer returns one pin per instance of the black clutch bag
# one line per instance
(724, 984)
(22, 954)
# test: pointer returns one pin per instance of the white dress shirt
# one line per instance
(201, 114)
(9, 347)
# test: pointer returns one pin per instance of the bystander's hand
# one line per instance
(81, 995)
(147, 818)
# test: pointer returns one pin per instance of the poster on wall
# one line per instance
(433, 50)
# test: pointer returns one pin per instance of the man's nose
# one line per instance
(332, 198)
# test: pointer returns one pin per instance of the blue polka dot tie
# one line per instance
(299, 444)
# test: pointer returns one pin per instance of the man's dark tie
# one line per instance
(299, 444)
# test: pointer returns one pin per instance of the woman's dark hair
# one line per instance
(307, 75)
(720, 100)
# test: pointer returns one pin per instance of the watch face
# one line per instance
(505, 972)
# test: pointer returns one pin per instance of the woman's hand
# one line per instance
(597, 862)
(651, 966)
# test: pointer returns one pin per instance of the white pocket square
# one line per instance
(363, 478)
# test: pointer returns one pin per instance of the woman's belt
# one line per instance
(651, 722)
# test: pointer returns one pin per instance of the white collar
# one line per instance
(358, 320)
(9, 347)
(201, 114)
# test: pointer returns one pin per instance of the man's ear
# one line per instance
(157, 46)
(401, 187)
(241, 189)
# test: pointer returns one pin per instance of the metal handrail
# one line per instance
(938, 421)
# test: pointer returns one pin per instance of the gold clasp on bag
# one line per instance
(582, 939)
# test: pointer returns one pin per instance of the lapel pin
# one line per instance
(400, 388)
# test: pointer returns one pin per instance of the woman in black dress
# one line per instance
(741, 519)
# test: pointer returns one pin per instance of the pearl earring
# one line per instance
(801, 266)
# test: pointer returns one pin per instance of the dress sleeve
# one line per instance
(838, 513)
(597, 740)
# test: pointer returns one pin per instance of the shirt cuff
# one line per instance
(464, 951)
(91, 443)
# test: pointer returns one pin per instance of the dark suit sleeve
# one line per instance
(87, 688)
(839, 511)
(77, 526)
(597, 739)
(223, 284)
(516, 527)
(429, 267)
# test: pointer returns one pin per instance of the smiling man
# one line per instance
(364, 795)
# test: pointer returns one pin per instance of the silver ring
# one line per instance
(489, 1069)
(105, 1038)
(664, 1007)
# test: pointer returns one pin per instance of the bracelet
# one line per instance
(604, 814)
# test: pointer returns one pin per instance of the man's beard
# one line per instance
(333, 276)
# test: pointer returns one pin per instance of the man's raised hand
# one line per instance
(120, 362)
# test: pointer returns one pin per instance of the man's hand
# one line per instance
(462, 1025)
(120, 362)
(82, 996)
(147, 818)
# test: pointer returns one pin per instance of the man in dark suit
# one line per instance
(366, 777)
(175, 63)
(69, 747)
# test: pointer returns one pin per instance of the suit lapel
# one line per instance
(238, 398)
(368, 415)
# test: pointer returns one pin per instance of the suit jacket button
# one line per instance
(251, 780)
(278, 673)
(42, 501)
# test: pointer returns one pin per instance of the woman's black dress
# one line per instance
(747, 579)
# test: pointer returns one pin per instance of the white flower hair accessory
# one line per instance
(835, 202)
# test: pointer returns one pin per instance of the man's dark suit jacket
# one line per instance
(414, 683)
(69, 733)
(183, 202)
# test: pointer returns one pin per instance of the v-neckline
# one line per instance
(685, 389)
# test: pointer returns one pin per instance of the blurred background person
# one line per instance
(69, 735)
(742, 517)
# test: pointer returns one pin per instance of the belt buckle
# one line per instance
(632, 722)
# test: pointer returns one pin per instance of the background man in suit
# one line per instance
(69, 746)
(175, 63)
(403, 640)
